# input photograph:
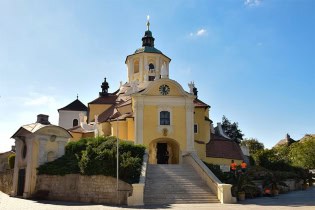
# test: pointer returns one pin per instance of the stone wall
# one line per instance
(76, 187)
(6, 181)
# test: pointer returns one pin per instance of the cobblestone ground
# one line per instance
(294, 200)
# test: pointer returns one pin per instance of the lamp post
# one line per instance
(117, 164)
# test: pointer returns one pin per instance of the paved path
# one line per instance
(294, 200)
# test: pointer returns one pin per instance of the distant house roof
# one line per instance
(109, 99)
(76, 105)
(221, 147)
(199, 103)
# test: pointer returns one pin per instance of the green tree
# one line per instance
(302, 153)
(11, 161)
(253, 145)
(232, 130)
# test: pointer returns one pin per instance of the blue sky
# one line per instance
(251, 60)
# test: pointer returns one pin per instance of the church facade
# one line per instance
(151, 109)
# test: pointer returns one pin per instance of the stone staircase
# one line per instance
(175, 183)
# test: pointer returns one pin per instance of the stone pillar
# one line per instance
(28, 174)
(189, 126)
(18, 147)
(41, 151)
(61, 147)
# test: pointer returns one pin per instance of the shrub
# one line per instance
(11, 161)
(97, 156)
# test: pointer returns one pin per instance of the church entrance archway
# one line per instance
(163, 151)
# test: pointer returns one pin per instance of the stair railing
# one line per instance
(136, 198)
(223, 191)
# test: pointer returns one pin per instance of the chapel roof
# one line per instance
(76, 105)
(221, 147)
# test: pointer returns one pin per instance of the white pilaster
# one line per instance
(138, 107)
(61, 147)
(41, 151)
(18, 148)
(189, 126)
(28, 175)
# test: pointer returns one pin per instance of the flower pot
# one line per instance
(304, 186)
(241, 196)
(275, 192)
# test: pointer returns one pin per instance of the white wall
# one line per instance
(66, 118)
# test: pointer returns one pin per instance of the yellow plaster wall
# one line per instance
(178, 123)
(131, 129)
(122, 129)
(88, 135)
(75, 136)
(203, 125)
(221, 161)
(106, 129)
(201, 150)
(155, 91)
(97, 109)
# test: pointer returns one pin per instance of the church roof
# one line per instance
(109, 99)
(148, 49)
(221, 147)
(79, 129)
(199, 103)
(76, 105)
(103, 117)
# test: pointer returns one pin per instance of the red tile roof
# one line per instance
(110, 99)
(199, 103)
(106, 114)
(220, 147)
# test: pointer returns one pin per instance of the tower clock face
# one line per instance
(164, 89)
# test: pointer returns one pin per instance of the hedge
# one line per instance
(97, 156)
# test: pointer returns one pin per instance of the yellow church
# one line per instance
(153, 110)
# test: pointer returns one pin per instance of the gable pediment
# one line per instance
(165, 87)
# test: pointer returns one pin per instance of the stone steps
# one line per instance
(178, 184)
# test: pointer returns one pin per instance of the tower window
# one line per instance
(151, 67)
(75, 123)
(136, 67)
(151, 78)
(165, 118)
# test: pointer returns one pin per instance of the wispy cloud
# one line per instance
(39, 100)
(200, 32)
(252, 3)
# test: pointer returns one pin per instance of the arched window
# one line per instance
(151, 67)
(165, 118)
(75, 122)
(51, 156)
(136, 67)
(24, 150)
